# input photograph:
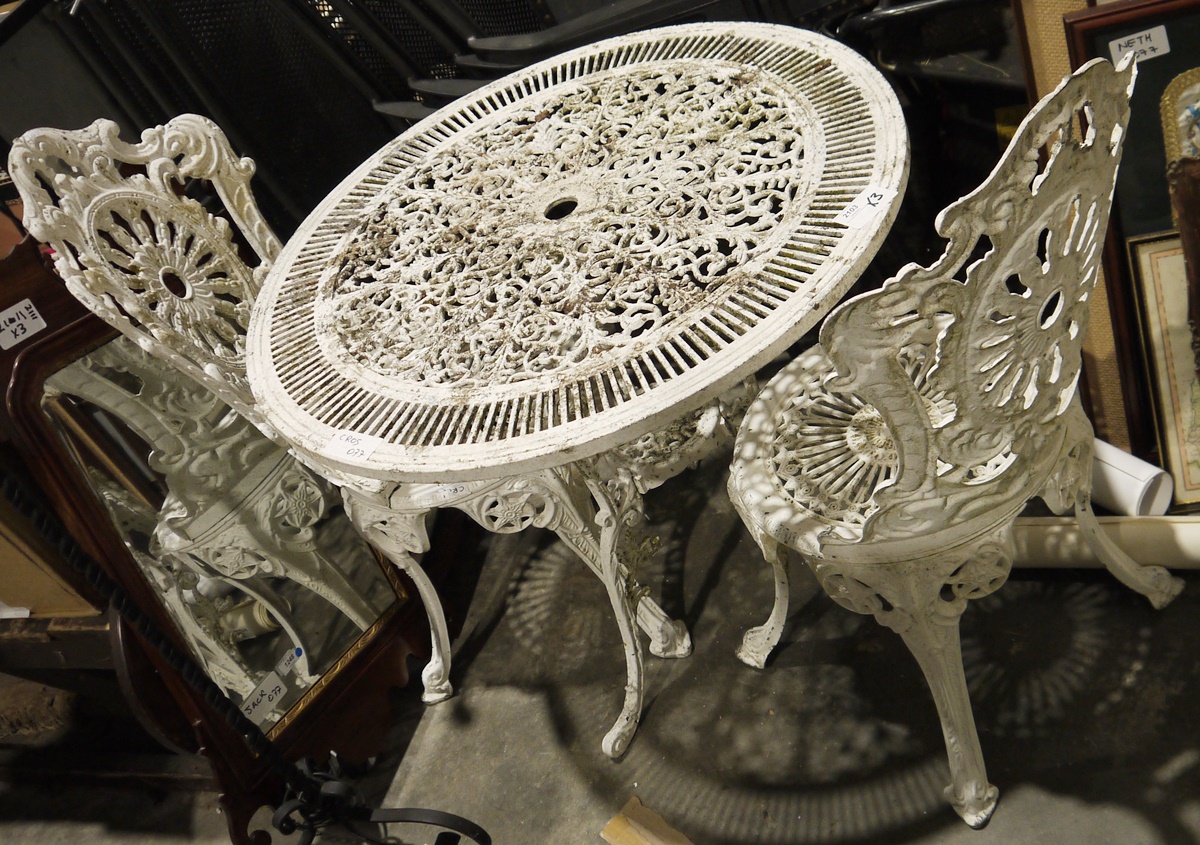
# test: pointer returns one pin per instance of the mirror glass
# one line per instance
(249, 551)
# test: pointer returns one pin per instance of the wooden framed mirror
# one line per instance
(114, 438)
(249, 553)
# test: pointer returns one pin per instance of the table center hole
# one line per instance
(559, 209)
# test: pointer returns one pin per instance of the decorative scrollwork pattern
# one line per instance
(300, 499)
(830, 451)
(984, 572)
(584, 219)
(510, 511)
(137, 248)
(181, 265)
(582, 250)
(860, 597)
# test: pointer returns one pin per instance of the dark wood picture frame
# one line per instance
(1141, 204)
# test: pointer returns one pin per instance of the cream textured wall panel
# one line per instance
(1048, 49)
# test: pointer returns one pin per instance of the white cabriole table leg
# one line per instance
(400, 534)
(594, 513)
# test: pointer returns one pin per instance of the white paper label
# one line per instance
(1147, 44)
(357, 447)
(19, 323)
(866, 207)
(265, 698)
(288, 660)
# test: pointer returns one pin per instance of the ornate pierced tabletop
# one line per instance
(490, 311)
(579, 252)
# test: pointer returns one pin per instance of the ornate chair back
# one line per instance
(974, 360)
(136, 241)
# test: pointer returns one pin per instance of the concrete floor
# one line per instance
(1086, 701)
(1085, 697)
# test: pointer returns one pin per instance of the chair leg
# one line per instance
(934, 642)
(1153, 582)
(758, 643)
(922, 602)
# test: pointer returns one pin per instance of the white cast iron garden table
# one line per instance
(523, 305)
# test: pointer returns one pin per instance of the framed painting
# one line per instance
(1158, 263)
(1164, 35)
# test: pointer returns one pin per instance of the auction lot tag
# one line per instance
(19, 323)
(348, 444)
(1147, 44)
(865, 207)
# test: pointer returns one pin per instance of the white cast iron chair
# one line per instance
(172, 277)
(209, 457)
(199, 615)
(180, 282)
(895, 455)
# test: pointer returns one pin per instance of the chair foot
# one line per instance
(437, 683)
(1170, 587)
(1154, 582)
(437, 696)
(674, 642)
(757, 644)
(975, 803)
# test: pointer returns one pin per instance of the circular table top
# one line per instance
(579, 252)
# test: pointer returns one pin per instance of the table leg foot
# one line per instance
(616, 741)
(671, 640)
(437, 684)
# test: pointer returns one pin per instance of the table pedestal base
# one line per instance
(593, 505)
(595, 514)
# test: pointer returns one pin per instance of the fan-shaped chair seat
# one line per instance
(812, 460)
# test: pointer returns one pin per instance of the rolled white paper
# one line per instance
(1056, 541)
(1128, 485)
(7, 612)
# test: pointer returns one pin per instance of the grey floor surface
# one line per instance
(1086, 701)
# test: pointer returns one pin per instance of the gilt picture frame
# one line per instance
(1159, 269)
